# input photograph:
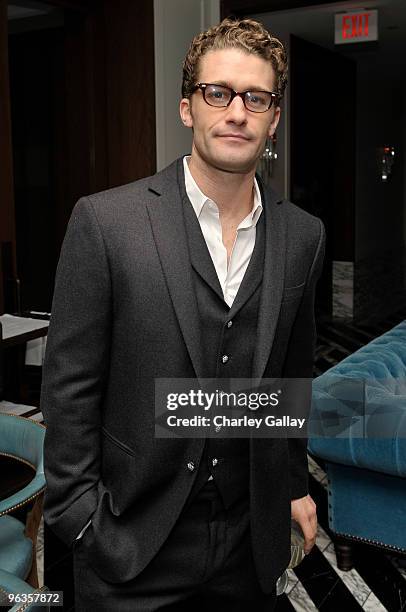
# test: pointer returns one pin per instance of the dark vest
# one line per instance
(228, 337)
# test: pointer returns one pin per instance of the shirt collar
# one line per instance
(198, 199)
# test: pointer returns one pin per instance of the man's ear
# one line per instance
(275, 121)
(185, 112)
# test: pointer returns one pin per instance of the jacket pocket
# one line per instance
(118, 442)
(291, 293)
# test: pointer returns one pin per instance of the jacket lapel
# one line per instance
(199, 253)
(166, 217)
(273, 278)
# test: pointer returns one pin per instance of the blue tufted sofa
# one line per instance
(358, 427)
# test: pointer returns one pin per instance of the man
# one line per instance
(195, 272)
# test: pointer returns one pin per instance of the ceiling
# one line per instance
(316, 24)
(27, 8)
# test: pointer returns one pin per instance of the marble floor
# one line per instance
(378, 580)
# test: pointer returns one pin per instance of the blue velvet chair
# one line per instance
(358, 427)
(11, 585)
(22, 439)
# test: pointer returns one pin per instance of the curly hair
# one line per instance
(245, 34)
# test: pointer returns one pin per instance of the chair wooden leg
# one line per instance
(31, 531)
(344, 553)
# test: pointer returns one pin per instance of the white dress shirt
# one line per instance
(230, 275)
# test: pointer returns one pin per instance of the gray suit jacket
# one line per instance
(124, 312)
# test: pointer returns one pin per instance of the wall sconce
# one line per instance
(386, 157)
(267, 159)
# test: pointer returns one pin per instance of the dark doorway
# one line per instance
(323, 148)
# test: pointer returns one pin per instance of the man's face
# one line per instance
(230, 139)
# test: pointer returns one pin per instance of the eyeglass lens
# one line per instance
(218, 95)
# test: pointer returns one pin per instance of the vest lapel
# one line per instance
(253, 274)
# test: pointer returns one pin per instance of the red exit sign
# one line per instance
(359, 26)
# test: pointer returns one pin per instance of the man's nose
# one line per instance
(237, 111)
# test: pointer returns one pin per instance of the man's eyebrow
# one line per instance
(228, 84)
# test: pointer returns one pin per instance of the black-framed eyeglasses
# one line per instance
(222, 96)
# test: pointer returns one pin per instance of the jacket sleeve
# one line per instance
(299, 364)
(75, 372)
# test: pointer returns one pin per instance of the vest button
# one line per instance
(224, 358)
(214, 462)
(191, 466)
(229, 324)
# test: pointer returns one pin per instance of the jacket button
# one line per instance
(229, 324)
(224, 358)
(190, 466)
(214, 462)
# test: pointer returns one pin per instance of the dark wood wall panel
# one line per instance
(130, 84)
(80, 118)
(95, 41)
(106, 121)
(77, 108)
(100, 128)
(104, 129)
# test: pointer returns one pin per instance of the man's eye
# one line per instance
(219, 95)
(256, 99)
